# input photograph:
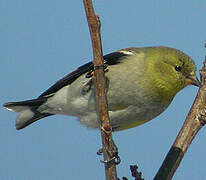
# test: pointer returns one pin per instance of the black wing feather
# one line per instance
(68, 79)
(110, 59)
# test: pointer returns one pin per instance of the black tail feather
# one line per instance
(28, 111)
(30, 103)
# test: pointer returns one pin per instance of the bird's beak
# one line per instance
(193, 80)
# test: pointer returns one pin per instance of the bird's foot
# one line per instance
(87, 87)
(91, 73)
(113, 154)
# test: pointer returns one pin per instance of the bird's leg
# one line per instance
(87, 87)
(91, 73)
(113, 154)
(113, 151)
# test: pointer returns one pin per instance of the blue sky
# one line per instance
(41, 41)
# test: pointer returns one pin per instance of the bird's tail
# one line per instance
(28, 112)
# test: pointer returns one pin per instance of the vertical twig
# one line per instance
(106, 130)
(193, 123)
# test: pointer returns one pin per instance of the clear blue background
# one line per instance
(41, 41)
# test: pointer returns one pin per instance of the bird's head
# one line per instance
(172, 70)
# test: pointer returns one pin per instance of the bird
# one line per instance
(141, 82)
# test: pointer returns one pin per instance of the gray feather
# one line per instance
(27, 111)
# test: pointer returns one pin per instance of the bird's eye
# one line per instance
(178, 68)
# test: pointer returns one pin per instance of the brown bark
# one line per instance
(193, 123)
(108, 146)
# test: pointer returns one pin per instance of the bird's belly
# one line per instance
(127, 109)
(128, 104)
(129, 117)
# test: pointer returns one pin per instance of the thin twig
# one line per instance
(99, 80)
(135, 173)
(193, 123)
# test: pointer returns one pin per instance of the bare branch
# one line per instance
(193, 123)
(109, 148)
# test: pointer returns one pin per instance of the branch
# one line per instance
(109, 148)
(193, 123)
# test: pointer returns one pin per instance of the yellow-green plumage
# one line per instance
(141, 83)
(166, 81)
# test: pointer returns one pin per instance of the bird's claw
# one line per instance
(87, 87)
(100, 152)
(91, 73)
(116, 158)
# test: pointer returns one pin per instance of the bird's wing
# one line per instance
(68, 79)
(110, 59)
